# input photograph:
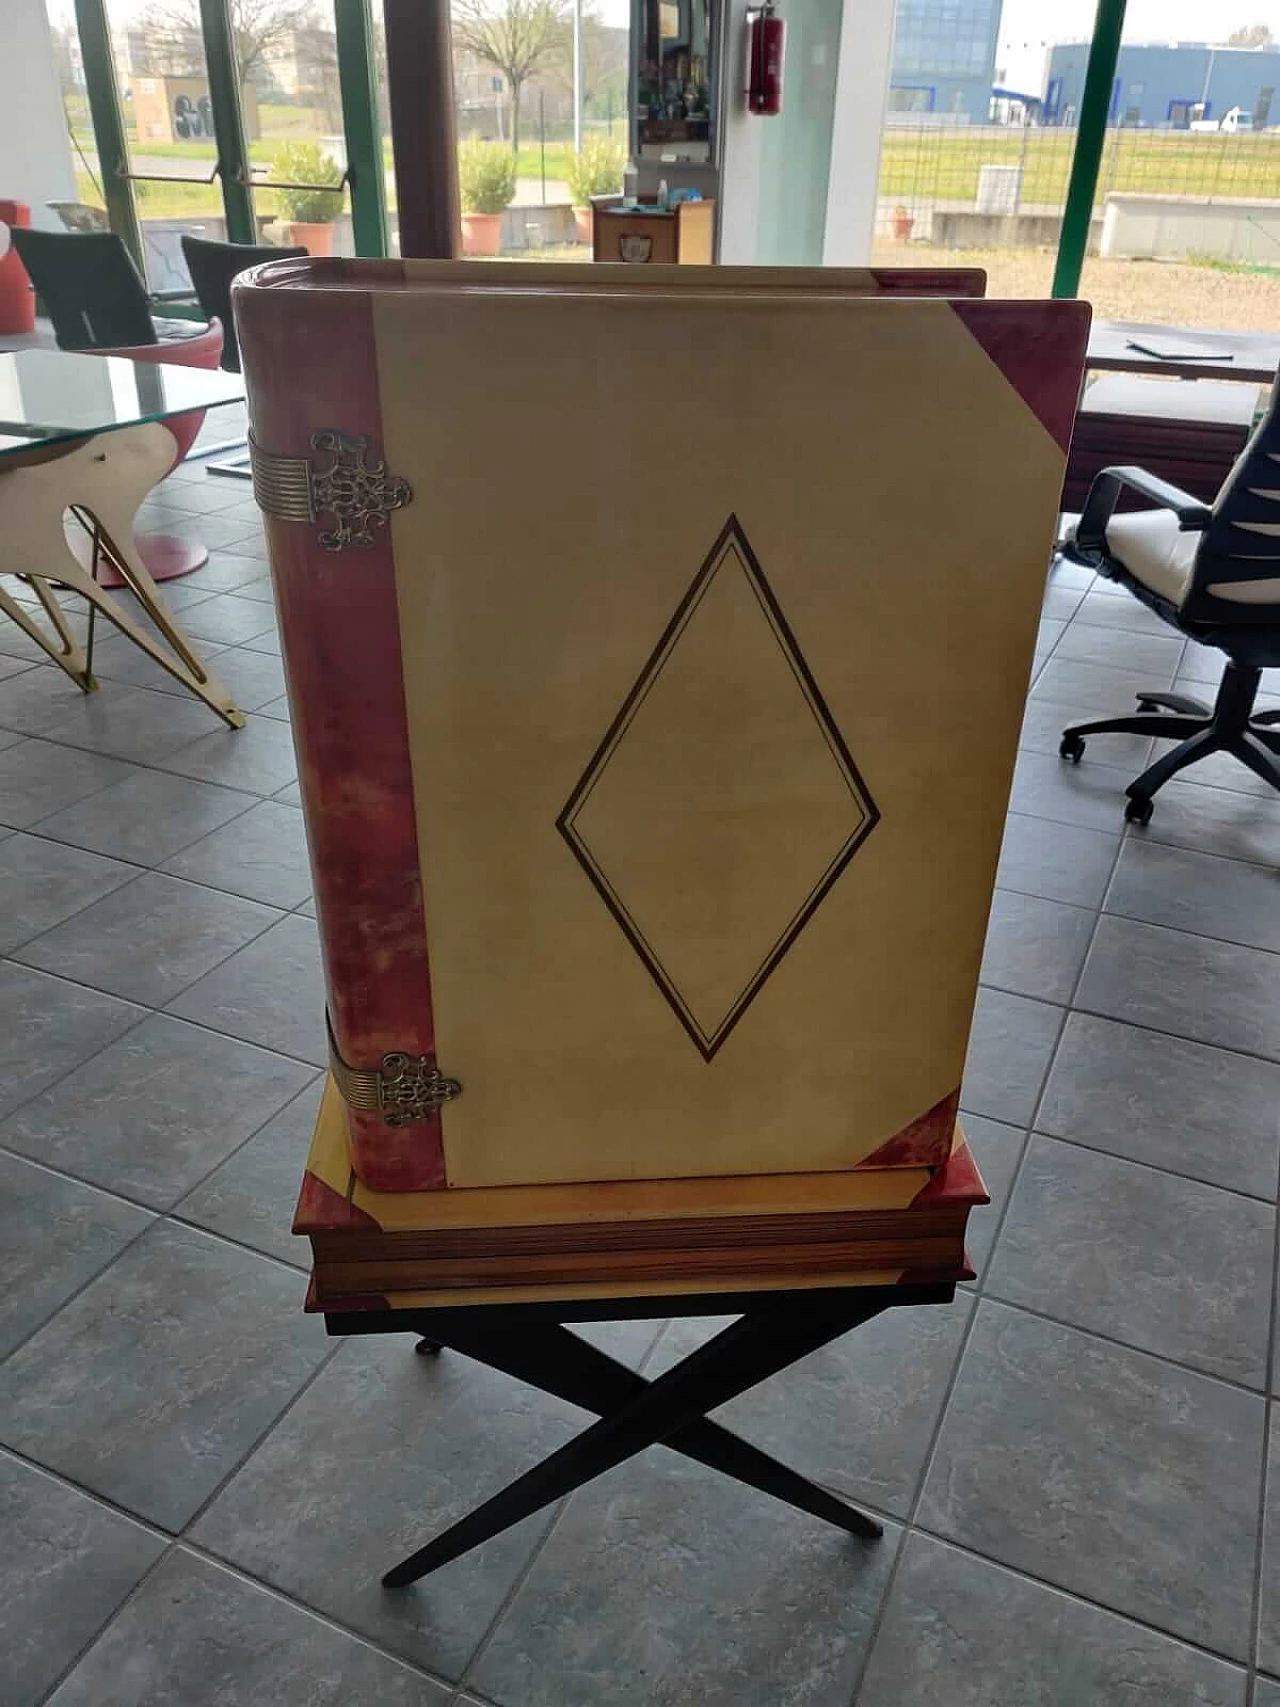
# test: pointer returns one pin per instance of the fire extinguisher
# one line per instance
(764, 89)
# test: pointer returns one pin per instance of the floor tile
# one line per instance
(227, 620)
(1088, 794)
(215, 531)
(1197, 892)
(271, 993)
(1269, 1594)
(1064, 573)
(1058, 861)
(1123, 649)
(66, 1564)
(1009, 1052)
(42, 883)
(15, 666)
(268, 642)
(153, 1383)
(1219, 770)
(1049, 633)
(252, 1196)
(117, 660)
(54, 1236)
(1162, 1263)
(997, 1149)
(384, 1450)
(1192, 986)
(199, 1635)
(36, 701)
(781, 1616)
(960, 1630)
(1198, 1111)
(252, 678)
(168, 1102)
(258, 757)
(40, 777)
(1062, 603)
(1044, 720)
(47, 1027)
(227, 572)
(150, 940)
(1266, 1693)
(262, 855)
(857, 1416)
(1104, 609)
(147, 817)
(291, 794)
(1111, 692)
(1035, 947)
(1104, 1471)
(132, 723)
(1214, 820)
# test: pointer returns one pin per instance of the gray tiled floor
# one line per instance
(198, 1491)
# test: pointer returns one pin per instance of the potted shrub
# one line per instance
(596, 170)
(903, 222)
(486, 184)
(310, 212)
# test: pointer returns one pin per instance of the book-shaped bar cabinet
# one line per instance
(656, 652)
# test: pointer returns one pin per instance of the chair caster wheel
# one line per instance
(428, 1348)
(1138, 809)
(1071, 747)
(1147, 704)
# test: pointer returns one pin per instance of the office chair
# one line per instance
(213, 266)
(1213, 573)
(90, 287)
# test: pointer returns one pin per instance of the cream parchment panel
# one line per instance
(576, 464)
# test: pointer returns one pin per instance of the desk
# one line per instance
(87, 433)
(1253, 356)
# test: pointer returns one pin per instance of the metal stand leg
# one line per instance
(670, 1410)
(550, 1357)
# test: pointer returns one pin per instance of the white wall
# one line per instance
(801, 189)
(35, 151)
(862, 94)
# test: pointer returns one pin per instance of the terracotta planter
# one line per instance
(481, 233)
(315, 238)
(582, 219)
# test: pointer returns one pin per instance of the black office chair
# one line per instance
(1213, 572)
(89, 286)
(212, 267)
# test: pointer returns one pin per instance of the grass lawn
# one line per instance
(936, 164)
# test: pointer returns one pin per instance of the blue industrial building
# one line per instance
(1169, 86)
(944, 55)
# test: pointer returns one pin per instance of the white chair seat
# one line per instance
(1155, 551)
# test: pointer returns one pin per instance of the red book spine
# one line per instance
(310, 364)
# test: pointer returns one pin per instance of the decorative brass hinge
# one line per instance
(358, 495)
(403, 1088)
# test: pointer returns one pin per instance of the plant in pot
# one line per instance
(310, 212)
(486, 184)
(595, 170)
(903, 222)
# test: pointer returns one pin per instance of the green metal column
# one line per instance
(228, 120)
(1091, 133)
(108, 123)
(357, 78)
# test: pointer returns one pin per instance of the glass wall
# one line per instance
(980, 133)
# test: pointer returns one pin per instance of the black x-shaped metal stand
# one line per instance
(531, 1342)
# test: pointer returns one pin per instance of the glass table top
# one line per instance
(51, 395)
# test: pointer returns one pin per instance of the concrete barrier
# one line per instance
(1171, 228)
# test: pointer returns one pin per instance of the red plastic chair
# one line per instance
(165, 555)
